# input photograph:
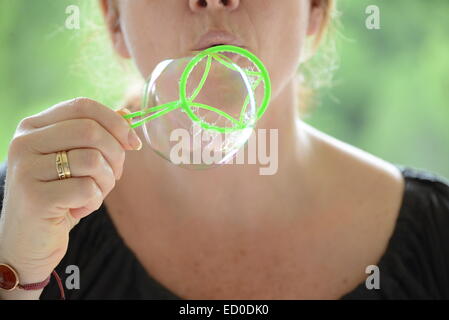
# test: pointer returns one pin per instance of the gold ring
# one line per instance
(62, 165)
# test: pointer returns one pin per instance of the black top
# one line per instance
(414, 266)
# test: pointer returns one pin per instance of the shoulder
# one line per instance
(368, 189)
(404, 217)
(378, 183)
(415, 264)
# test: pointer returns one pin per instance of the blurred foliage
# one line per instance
(391, 92)
(390, 95)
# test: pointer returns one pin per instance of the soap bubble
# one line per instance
(198, 111)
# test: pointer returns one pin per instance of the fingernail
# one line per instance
(134, 140)
(123, 112)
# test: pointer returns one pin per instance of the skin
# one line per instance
(321, 220)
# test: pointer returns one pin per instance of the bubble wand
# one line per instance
(186, 103)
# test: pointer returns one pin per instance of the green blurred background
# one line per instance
(390, 94)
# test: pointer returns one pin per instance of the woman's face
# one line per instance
(149, 31)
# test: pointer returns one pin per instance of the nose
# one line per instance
(203, 5)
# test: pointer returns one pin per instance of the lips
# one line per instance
(215, 38)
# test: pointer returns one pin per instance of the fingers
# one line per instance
(56, 197)
(83, 108)
(39, 209)
(78, 134)
(82, 162)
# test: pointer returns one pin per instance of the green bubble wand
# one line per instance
(186, 103)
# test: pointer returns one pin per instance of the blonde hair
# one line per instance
(329, 8)
(320, 62)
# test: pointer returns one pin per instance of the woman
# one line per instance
(309, 231)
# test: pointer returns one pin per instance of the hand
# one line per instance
(39, 210)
